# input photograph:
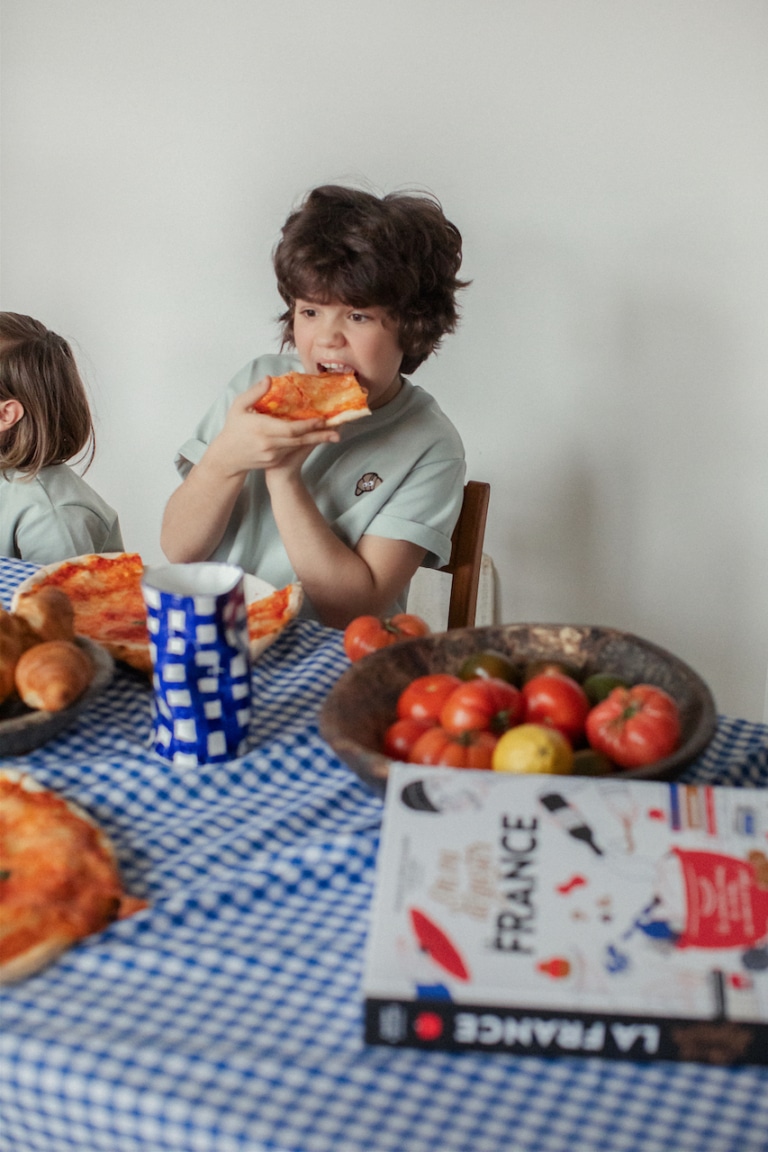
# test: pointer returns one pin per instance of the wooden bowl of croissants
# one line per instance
(47, 673)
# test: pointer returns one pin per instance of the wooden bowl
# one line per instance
(362, 703)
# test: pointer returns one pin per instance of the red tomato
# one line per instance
(367, 634)
(556, 701)
(425, 696)
(635, 726)
(468, 750)
(400, 737)
(493, 705)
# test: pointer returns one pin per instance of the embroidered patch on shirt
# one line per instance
(367, 482)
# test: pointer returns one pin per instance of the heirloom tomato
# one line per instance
(635, 726)
(425, 696)
(367, 634)
(590, 762)
(490, 705)
(556, 701)
(466, 750)
(400, 736)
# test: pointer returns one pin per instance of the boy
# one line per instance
(370, 287)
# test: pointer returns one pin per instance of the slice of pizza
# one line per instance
(59, 880)
(105, 592)
(335, 397)
(270, 614)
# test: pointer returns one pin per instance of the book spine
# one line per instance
(441, 1024)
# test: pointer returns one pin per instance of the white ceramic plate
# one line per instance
(255, 588)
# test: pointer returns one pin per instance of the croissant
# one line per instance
(53, 674)
(9, 655)
(16, 637)
(49, 611)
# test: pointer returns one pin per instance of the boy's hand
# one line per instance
(250, 440)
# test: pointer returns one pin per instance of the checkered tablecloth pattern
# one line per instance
(227, 1017)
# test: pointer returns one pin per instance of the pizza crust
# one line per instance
(135, 655)
(347, 417)
(34, 960)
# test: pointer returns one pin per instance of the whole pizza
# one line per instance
(59, 880)
(105, 592)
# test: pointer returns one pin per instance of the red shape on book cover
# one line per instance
(434, 941)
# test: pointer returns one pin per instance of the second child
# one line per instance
(47, 511)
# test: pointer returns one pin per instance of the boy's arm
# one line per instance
(198, 512)
(339, 582)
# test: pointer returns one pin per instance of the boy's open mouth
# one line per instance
(337, 366)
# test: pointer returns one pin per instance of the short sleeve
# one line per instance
(424, 510)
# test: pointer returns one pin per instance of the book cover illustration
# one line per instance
(569, 915)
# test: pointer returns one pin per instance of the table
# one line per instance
(227, 1017)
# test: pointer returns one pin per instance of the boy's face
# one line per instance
(339, 338)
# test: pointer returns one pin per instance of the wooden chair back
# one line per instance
(467, 554)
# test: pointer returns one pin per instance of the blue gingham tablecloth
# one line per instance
(228, 1016)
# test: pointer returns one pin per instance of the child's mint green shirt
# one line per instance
(54, 516)
(398, 473)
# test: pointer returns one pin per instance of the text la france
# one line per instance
(488, 1029)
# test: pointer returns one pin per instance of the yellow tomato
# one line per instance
(533, 748)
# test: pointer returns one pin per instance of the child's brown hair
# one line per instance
(37, 368)
(397, 252)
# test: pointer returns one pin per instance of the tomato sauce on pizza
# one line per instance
(106, 595)
(268, 613)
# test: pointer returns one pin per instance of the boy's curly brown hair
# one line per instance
(397, 252)
(38, 369)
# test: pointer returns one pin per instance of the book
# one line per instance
(570, 916)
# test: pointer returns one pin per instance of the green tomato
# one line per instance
(489, 664)
(601, 684)
(588, 762)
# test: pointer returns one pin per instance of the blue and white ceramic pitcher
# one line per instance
(198, 634)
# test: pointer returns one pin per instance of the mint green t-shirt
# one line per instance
(398, 473)
(54, 516)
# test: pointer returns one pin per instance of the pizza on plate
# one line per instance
(59, 880)
(269, 613)
(335, 397)
(105, 592)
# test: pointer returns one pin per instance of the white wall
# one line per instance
(607, 163)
